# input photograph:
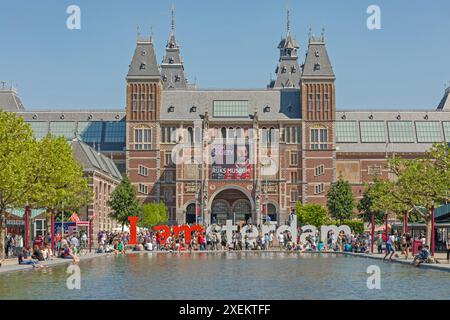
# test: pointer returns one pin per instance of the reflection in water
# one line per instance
(258, 275)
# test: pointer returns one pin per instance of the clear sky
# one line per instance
(225, 44)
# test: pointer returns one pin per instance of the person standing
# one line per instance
(404, 246)
(448, 248)
(390, 247)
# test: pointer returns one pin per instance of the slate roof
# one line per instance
(10, 101)
(91, 160)
(317, 63)
(283, 104)
(143, 64)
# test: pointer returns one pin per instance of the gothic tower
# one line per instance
(143, 104)
(317, 85)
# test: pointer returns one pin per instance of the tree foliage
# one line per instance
(368, 203)
(153, 214)
(311, 214)
(123, 202)
(36, 173)
(340, 201)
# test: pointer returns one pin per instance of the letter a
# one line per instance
(74, 281)
(74, 20)
(374, 20)
(374, 281)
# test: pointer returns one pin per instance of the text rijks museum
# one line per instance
(265, 148)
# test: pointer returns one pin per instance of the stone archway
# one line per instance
(231, 203)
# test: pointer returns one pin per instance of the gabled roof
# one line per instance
(92, 160)
(9, 100)
(143, 65)
(317, 63)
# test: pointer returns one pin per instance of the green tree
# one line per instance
(311, 214)
(124, 202)
(153, 214)
(340, 201)
(366, 204)
(17, 162)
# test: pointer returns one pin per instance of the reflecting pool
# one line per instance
(228, 276)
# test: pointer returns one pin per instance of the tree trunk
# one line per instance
(2, 238)
(429, 231)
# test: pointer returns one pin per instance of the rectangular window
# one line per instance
(168, 159)
(294, 159)
(150, 101)
(294, 196)
(346, 131)
(310, 102)
(168, 176)
(325, 101)
(134, 101)
(372, 131)
(143, 171)
(63, 129)
(40, 129)
(317, 101)
(374, 170)
(429, 131)
(319, 138)
(143, 100)
(319, 188)
(142, 139)
(143, 188)
(400, 131)
(168, 195)
(230, 109)
(293, 177)
(319, 170)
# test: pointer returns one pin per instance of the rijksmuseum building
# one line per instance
(263, 149)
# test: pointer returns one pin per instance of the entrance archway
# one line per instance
(231, 203)
(190, 213)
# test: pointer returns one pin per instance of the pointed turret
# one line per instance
(172, 68)
(288, 71)
(445, 102)
(144, 64)
(317, 63)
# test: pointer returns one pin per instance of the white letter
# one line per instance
(374, 20)
(74, 281)
(374, 281)
(74, 20)
(305, 233)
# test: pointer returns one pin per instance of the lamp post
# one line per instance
(432, 230)
(27, 226)
(373, 230)
(405, 220)
(52, 231)
(386, 234)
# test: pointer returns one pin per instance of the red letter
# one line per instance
(133, 222)
(165, 234)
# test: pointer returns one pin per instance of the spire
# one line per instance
(173, 17)
(288, 22)
(172, 68)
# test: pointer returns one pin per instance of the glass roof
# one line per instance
(230, 109)
(446, 125)
(40, 129)
(372, 131)
(90, 131)
(65, 129)
(115, 132)
(347, 131)
(428, 131)
(401, 131)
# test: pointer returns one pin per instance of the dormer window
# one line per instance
(288, 52)
(293, 70)
(142, 66)
(316, 53)
(266, 109)
(317, 66)
(164, 78)
(171, 109)
(177, 78)
(171, 60)
(283, 70)
(193, 109)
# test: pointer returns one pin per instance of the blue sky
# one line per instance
(225, 44)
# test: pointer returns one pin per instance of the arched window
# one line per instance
(190, 213)
(241, 210)
(190, 137)
(223, 132)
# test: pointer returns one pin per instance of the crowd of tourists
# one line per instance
(73, 245)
